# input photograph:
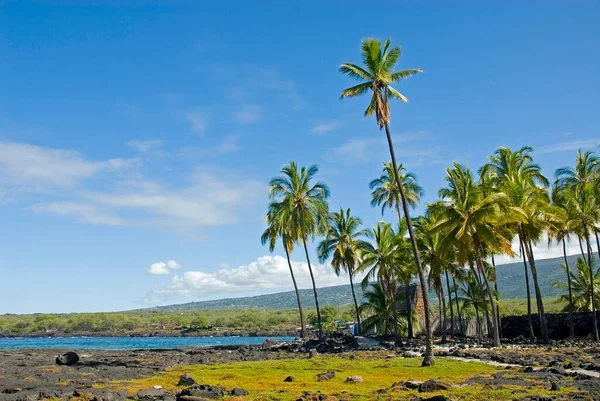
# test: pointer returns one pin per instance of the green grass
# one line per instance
(264, 379)
(518, 306)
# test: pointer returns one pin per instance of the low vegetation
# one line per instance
(264, 380)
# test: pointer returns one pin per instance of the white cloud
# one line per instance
(198, 121)
(163, 268)
(58, 183)
(541, 250)
(414, 148)
(571, 145)
(37, 167)
(209, 200)
(86, 213)
(145, 146)
(248, 114)
(325, 127)
(266, 274)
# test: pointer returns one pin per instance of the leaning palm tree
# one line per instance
(303, 207)
(276, 229)
(342, 242)
(378, 77)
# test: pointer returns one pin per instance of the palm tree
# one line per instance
(381, 261)
(580, 298)
(580, 191)
(384, 191)
(303, 207)
(473, 295)
(516, 175)
(560, 230)
(379, 311)
(436, 258)
(377, 76)
(472, 222)
(343, 243)
(275, 230)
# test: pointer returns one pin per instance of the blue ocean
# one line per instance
(124, 343)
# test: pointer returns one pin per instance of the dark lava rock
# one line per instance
(289, 379)
(432, 385)
(412, 385)
(201, 391)
(11, 390)
(554, 386)
(436, 398)
(354, 379)
(325, 376)
(239, 392)
(152, 394)
(68, 358)
(558, 370)
(528, 369)
(186, 380)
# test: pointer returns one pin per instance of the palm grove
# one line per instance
(480, 214)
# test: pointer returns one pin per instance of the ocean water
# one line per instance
(123, 343)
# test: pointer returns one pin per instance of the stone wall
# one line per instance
(558, 325)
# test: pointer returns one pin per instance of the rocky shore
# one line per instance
(571, 368)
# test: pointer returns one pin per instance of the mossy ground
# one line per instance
(264, 379)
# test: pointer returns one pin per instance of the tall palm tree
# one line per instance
(342, 242)
(303, 207)
(515, 174)
(378, 77)
(472, 222)
(560, 230)
(381, 261)
(384, 191)
(276, 229)
(580, 190)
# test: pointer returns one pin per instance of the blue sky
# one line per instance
(139, 137)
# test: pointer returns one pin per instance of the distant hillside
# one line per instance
(511, 284)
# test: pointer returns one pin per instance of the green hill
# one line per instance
(511, 284)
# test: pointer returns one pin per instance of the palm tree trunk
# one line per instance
(303, 333)
(312, 277)
(591, 268)
(581, 247)
(397, 338)
(444, 321)
(571, 327)
(538, 294)
(450, 303)
(497, 295)
(428, 359)
(408, 309)
(355, 303)
(479, 254)
(458, 311)
(477, 322)
(597, 244)
(529, 321)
